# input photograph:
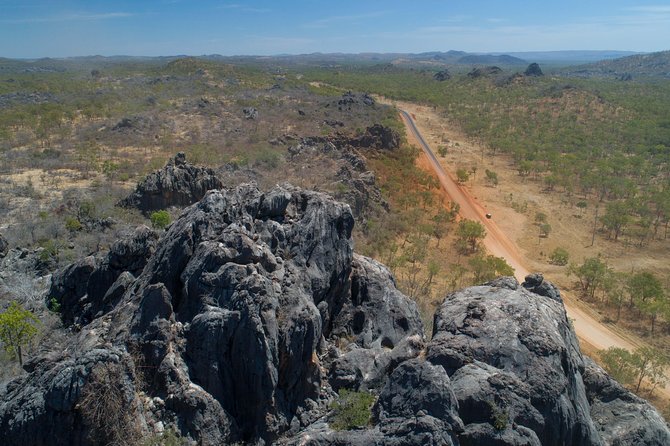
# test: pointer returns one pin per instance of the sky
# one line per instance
(62, 28)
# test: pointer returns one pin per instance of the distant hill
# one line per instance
(489, 59)
(571, 57)
(640, 65)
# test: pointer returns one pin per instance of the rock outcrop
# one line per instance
(533, 70)
(92, 286)
(442, 76)
(179, 183)
(250, 113)
(378, 137)
(241, 323)
(478, 72)
(350, 100)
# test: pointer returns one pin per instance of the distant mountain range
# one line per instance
(639, 65)
(622, 64)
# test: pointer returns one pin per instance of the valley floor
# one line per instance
(506, 227)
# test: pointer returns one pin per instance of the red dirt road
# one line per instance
(592, 334)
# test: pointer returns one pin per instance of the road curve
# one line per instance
(591, 332)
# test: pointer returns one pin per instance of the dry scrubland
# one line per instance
(75, 141)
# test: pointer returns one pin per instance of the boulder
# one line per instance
(529, 341)
(533, 70)
(179, 183)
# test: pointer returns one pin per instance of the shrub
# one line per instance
(351, 410)
(72, 224)
(499, 416)
(169, 437)
(18, 327)
(160, 219)
(559, 256)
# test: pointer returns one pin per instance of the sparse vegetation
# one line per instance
(160, 219)
(351, 410)
(18, 327)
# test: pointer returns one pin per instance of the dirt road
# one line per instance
(592, 334)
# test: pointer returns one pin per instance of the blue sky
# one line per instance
(56, 28)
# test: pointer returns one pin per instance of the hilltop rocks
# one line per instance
(442, 76)
(378, 137)
(533, 70)
(349, 100)
(477, 72)
(179, 183)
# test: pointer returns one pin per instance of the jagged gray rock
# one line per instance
(179, 183)
(228, 319)
(93, 285)
(378, 137)
(528, 337)
(243, 320)
(621, 417)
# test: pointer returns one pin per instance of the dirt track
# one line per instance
(592, 334)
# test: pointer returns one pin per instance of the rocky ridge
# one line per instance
(251, 311)
(179, 183)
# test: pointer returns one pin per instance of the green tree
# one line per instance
(592, 275)
(647, 294)
(462, 175)
(18, 327)
(491, 178)
(616, 218)
(487, 268)
(160, 219)
(544, 230)
(470, 233)
(618, 362)
(559, 256)
(632, 369)
(440, 226)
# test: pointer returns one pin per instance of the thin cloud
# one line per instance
(239, 7)
(322, 23)
(82, 17)
(650, 9)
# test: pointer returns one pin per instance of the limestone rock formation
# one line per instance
(93, 286)
(179, 183)
(241, 323)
